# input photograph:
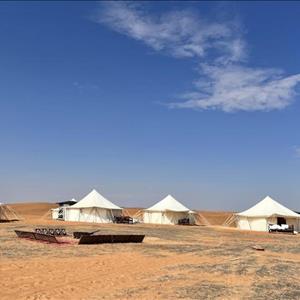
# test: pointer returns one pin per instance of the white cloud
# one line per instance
(225, 82)
(232, 88)
(179, 33)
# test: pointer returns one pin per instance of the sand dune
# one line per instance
(32, 210)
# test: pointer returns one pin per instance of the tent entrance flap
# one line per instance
(281, 220)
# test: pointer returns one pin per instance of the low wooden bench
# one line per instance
(184, 221)
(123, 220)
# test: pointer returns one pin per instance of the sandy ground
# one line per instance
(174, 262)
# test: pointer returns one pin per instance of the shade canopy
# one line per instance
(94, 199)
(67, 202)
(168, 204)
(268, 207)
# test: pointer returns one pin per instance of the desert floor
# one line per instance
(173, 262)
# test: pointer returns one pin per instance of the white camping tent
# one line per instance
(59, 212)
(55, 213)
(167, 211)
(265, 212)
(93, 208)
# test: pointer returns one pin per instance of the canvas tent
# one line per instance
(55, 213)
(59, 212)
(7, 214)
(167, 211)
(265, 212)
(93, 208)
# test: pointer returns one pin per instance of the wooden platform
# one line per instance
(111, 238)
(79, 234)
(84, 237)
(36, 236)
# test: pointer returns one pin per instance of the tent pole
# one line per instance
(249, 224)
(98, 215)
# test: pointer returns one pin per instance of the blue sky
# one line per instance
(196, 99)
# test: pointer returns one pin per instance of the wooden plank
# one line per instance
(36, 236)
(111, 238)
(25, 234)
(45, 237)
(79, 234)
(258, 248)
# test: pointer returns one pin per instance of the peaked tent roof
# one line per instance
(268, 207)
(168, 204)
(94, 199)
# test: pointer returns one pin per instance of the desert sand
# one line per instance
(174, 262)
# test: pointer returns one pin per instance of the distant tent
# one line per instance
(267, 211)
(60, 212)
(170, 211)
(93, 208)
(8, 214)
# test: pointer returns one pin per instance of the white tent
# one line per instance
(93, 208)
(167, 211)
(60, 212)
(55, 213)
(265, 212)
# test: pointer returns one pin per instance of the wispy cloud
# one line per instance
(297, 151)
(225, 82)
(179, 33)
(233, 87)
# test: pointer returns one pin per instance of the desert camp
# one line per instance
(98, 252)
(150, 150)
